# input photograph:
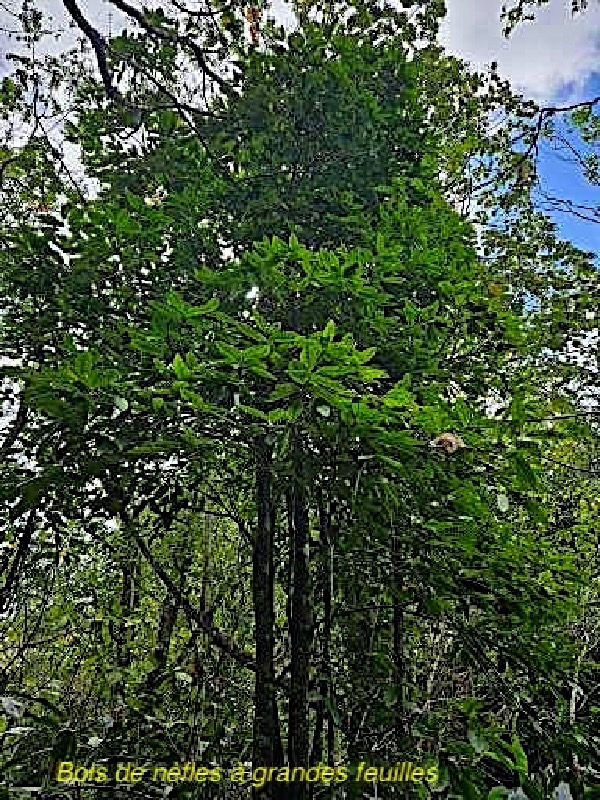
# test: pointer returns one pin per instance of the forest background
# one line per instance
(226, 535)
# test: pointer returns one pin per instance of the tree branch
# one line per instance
(549, 110)
(201, 618)
(13, 435)
(171, 36)
(13, 572)
(97, 42)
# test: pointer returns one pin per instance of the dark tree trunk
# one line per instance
(325, 596)
(124, 634)
(301, 638)
(266, 734)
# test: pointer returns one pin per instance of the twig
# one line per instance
(171, 36)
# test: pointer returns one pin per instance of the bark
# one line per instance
(326, 590)
(266, 735)
(124, 633)
(301, 638)
(97, 42)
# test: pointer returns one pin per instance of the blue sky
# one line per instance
(565, 181)
(554, 60)
(562, 179)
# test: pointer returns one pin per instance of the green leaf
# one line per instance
(462, 412)
(53, 406)
(500, 758)
(370, 374)
(181, 369)
(282, 392)
(517, 410)
(398, 466)
(497, 793)
(231, 354)
(411, 311)
(364, 356)
(520, 757)
(525, 475)
(298, 372)
(468, 789)
(253, 412)
(256, 369)
(285, 414)
(255, 353)
(155, 447)
(335, 372)
(329, 330)
(310, 354)
(399, 397)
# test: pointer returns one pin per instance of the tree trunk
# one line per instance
(266, 735)
(325, 596)
(301, 638)
(124, 634)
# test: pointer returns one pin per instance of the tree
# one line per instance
(300, 418)
(518, 12)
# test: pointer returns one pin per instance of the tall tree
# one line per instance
(270, 318)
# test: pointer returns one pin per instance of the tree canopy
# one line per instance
(298, 467)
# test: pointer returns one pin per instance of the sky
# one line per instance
(554, 60)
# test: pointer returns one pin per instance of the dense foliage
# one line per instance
(226, 535)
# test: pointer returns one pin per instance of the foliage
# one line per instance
(225, 532)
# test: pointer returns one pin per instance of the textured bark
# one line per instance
(123, 634)
(266, 735)
(301, 638)
(325, 596)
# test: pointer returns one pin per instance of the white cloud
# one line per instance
(548, 59)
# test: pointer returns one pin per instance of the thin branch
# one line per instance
(97, 42)
(196, 13)
(171, 36)
(530, 420)
(583, 470)
(62, 163)
(201, 618)
(13, 572)
(12, 437)
(549, 110)
(569, 207)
